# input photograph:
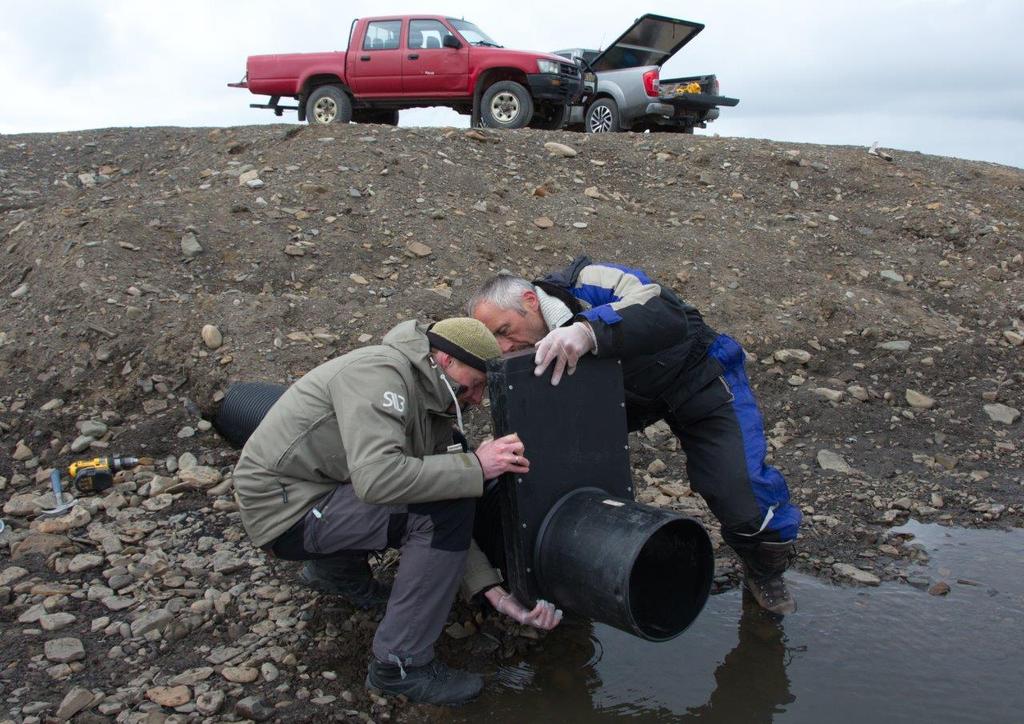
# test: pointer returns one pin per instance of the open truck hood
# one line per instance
(651, 40)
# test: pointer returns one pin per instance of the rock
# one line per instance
(169, 695)
(190, 246)
(894, 346)
(81, 443)
(657, 467)
(254, 708)
(828, 394)
(919, 401)
(856, 574)
(828, 460)
(212, 337)
(93, 428)
(84, 562)
(56, 621)
(79, 517)
(999, 412)
(200, 477)
(191, 677)
(20, 292)
(294, 250)
(543, 222)
(858, 393)
(39, 544)
(210, 702)
(560, 149)
(152, 621)
(246, 177)
(73, 702)
(64, 650)
(240, 674)
(23, 504)
(419, 249)
(22, 452)
(358, 278)
(1014, 338)
(11, 574)
(891, 276)
(268, 671)
(941, 588)
(792, 355)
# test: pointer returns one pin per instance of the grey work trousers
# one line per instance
(434, 540)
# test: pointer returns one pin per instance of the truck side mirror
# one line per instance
(450, 41)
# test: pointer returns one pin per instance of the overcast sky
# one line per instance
(937, 76)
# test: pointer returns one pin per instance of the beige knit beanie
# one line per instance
(466, 339)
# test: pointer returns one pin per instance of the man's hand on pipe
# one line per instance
(544, 615)
(504, 455)
(563, 346)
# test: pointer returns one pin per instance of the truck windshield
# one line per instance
(472, 34)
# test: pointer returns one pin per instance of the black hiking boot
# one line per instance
(348, 576)
(763, 566)
(433, 683)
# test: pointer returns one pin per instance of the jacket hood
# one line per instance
(410, 339)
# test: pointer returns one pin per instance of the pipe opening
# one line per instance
(670, 579)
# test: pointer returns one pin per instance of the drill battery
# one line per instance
(97, 474)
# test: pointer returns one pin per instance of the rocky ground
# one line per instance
(881, 299)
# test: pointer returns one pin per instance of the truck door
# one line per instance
(375, 68)
(430, 70)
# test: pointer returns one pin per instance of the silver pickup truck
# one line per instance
(626, 92)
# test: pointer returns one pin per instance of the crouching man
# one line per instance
(357, 456)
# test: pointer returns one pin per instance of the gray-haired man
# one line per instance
(675, 368)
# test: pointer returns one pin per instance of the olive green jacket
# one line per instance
(377, 418)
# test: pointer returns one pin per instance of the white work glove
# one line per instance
(544, 615)
(565, 346)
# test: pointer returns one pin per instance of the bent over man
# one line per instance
(675, 368)
(357, 456)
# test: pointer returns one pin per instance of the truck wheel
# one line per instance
(328, 104)
(550, 117)
(506, 104)
(602, 117)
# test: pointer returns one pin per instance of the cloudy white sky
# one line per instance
(937, 76)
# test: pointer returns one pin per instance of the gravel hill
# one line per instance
(880, 296)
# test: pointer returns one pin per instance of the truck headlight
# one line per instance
(547, 66)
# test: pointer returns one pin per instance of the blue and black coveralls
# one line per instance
(678, 369)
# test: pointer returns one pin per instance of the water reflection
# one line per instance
(892, 653)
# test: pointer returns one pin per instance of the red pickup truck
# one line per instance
(413, 61)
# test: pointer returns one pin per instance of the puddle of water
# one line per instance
(892, 653)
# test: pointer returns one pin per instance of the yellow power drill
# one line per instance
(96, 475)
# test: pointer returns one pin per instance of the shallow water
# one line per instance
(888, 654)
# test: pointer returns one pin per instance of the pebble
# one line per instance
(56, 621)
(892, 276)
(560, 149)
(941, 588)
(919, 401)
(210, 702)
(73, 702)
(240, 674)
(190, 246)
(169, 695)
(998, 412)
(543, 222)
(828, 394)
(856, 574)
(63, 650)
(792, 355)
(828, 460)
(212, 337)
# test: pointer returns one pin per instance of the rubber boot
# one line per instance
(349, 576)
(763, 566)
(433, 683)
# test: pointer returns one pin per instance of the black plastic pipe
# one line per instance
(644, 570)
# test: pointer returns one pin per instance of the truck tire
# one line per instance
(328, 104)
(602, 117)
(550, 117)
(506, 104)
